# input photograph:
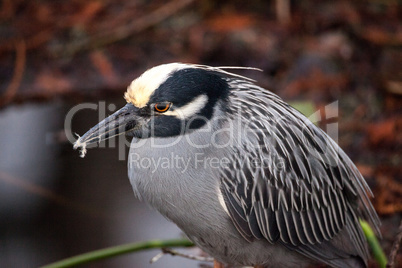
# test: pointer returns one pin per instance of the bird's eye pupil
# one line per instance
(162, 107)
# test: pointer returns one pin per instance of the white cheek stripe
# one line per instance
(190, 108)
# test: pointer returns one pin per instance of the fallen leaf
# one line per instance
(230, 22)
(383, 132)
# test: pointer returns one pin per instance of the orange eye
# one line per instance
(162, 107)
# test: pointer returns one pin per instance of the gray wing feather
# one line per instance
(311, 198)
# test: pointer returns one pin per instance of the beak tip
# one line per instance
(82, 145)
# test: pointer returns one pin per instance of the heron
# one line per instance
(255, 182)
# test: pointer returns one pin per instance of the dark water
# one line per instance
(54, 204)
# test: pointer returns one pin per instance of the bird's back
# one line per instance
(304, 192)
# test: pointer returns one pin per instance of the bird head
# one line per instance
(165, 101)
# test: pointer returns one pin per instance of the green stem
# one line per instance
(134, 247)
(374, 245)
(118, 250)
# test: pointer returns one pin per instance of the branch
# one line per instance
(176, 253)
(123, 32)
(395, 248)
(19, 67)
(40, 191)
(118, 250)
(283, 8)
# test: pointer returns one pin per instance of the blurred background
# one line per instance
(55, 55)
